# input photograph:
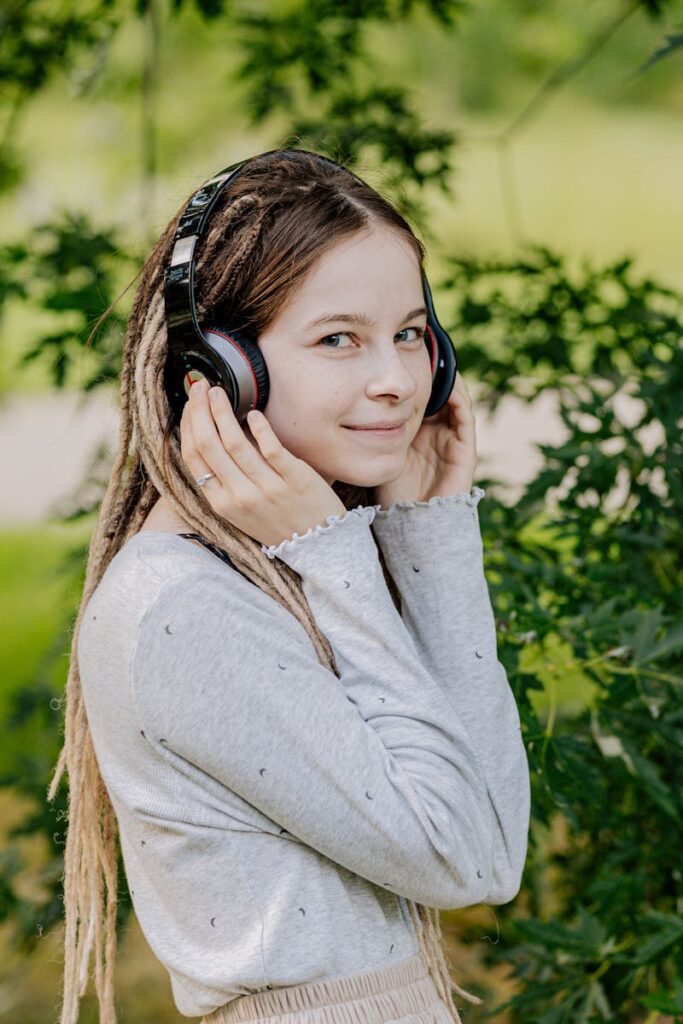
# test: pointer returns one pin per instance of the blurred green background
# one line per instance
(595, 169)
(560, 138)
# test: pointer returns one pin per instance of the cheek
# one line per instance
(297, 395)
(284, 400)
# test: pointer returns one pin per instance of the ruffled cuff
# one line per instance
(291, 544)
(471, 498)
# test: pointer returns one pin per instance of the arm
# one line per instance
(434, 553)
(374, 769)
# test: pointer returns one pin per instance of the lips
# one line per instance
(380, 426)
(379, 436)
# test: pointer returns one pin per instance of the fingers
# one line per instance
(467, 432)
(257, 458)
(191, 456)
(460, 396)
(204, 445)
(461, 402)
(214, 439)
(276, 455)
(461, 388)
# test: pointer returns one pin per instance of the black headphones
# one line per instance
(230, 358)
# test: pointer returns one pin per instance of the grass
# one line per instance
(36, 599)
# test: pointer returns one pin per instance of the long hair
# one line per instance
(268, 229)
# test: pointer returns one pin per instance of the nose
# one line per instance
(393, 373)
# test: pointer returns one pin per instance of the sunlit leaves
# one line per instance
(69, 269)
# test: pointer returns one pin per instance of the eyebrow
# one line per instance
(358, 318)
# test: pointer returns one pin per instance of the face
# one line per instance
(347, 351)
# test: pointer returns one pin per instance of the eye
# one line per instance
(327, 338)
(419, 333)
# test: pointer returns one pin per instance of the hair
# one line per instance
(267, 230)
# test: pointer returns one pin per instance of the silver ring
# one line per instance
(200, 481)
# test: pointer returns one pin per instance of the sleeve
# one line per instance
(375, 769)
(434, 553)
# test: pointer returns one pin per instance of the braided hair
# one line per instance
(269, 227)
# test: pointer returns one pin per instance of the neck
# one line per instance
(164, 518)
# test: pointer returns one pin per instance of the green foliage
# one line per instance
(210, 9)
(317, 51)
(319, 41)
(674, 41)
(584, 566)
(39, 38)
(44, 570)
(380, 121)
(604, 574)
(39, 579)
(68, 269)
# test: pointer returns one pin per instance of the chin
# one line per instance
(370, 478)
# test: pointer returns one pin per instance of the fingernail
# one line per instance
(214, 393)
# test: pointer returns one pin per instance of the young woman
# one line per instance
(284, 694)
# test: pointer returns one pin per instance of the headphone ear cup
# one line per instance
(242, 367)
(258, 365)
(443, 369)
(259, 370)
(181, 370)
(442, 352)
(432, 347)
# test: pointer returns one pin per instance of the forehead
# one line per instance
(371, 270)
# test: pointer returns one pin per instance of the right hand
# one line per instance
(259, 486)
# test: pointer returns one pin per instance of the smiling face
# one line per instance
(366, 364)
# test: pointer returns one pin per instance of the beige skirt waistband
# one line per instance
(403, 993)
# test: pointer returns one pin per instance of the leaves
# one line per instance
(665, 1003)
(667, 932)
(674, 41)
(584, 567)
(310, 60)
(379, 120)
(69, 269)
(586, 572)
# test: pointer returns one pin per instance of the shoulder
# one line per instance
(136, 576)
(146, 564)
(208, 637)
(155, 568)
(162, 583)
(162, 578)
(214, 606)
(150, 567)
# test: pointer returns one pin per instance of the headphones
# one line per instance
(231, 358)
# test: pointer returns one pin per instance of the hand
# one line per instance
(259, 486)
(442, 457)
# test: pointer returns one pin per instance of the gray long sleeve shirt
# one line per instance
(273, 817)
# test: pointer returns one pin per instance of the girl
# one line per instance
(284, 693)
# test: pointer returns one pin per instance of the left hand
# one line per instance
(442, 457)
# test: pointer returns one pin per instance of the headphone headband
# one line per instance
(181, 307)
